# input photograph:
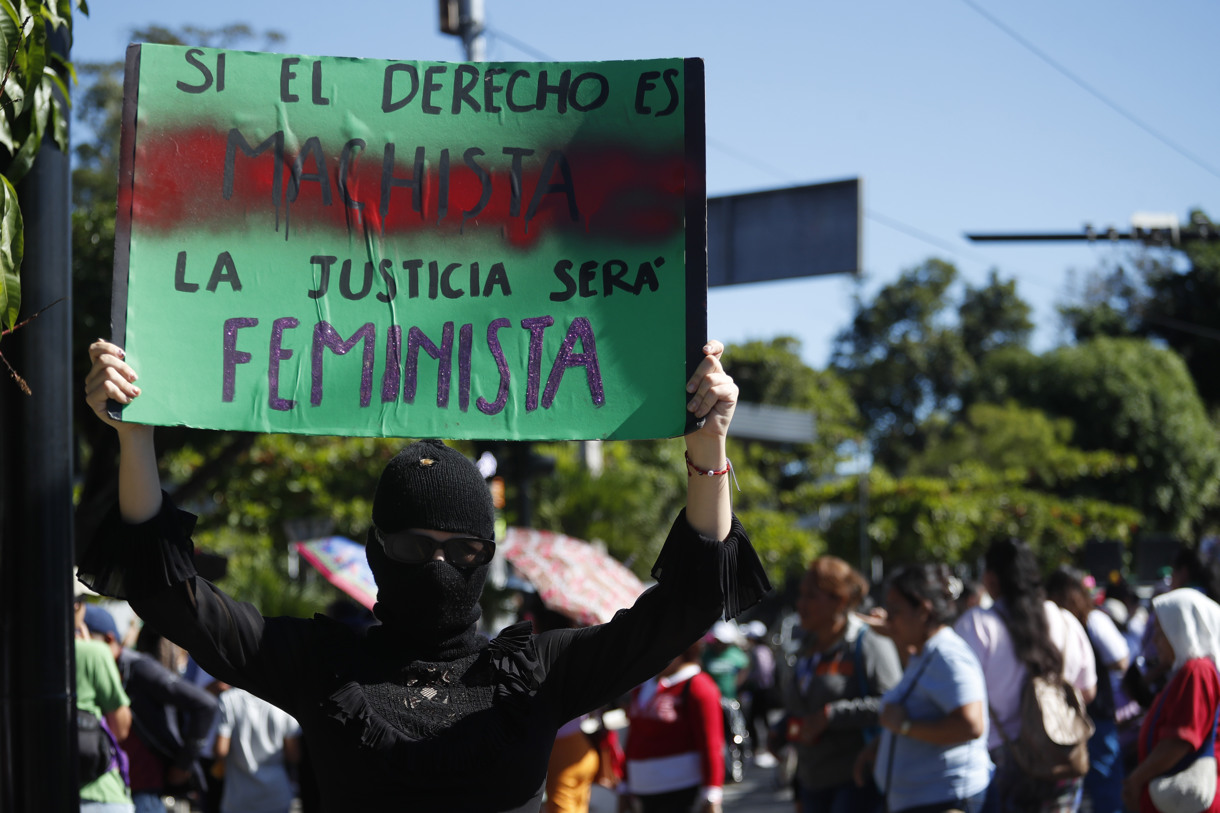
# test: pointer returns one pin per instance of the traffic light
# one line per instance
(451, 17)
(516, 465)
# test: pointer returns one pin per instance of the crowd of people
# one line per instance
(933, 695)
(1025, 691)
(174, 732)
(910, 699)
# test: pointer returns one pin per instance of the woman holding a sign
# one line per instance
(421, 712)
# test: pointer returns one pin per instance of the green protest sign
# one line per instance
(363, 247)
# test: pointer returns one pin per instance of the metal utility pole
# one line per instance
(37, 700)
(464, 18)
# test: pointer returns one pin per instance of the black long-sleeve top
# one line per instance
(405, 754)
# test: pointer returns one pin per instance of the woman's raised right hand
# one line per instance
(110, 378)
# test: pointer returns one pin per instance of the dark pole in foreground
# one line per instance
(37, 726)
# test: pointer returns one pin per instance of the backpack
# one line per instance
(1054, 741)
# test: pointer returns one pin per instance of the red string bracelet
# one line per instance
(692, 469)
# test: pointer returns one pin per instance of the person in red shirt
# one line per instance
(1183, 716)
(675, 745)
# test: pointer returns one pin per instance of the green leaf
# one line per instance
(7, 38)
(14, 100)
(10, 21)
(36, 55)
(59, 109)
(36, 122)
(53, 13)
(6, 134)
(12, 247)
(58, 64)
(13, 95)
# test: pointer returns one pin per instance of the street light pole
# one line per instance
(471, 21)
(464, 18)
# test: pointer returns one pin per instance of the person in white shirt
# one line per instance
(1023, 632)
(257, 742)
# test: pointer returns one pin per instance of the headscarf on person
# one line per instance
(1191, 622)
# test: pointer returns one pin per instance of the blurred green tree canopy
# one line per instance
(1166, 294)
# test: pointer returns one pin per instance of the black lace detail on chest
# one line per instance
(423, 699)
(388, 712)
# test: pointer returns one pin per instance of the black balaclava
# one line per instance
(432, 608)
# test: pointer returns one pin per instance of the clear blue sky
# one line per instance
(952, 124)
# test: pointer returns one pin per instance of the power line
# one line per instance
(747, 158)
(524, 47)
(898, 225)
(1185, 327)
(918, 234)
(782, 175)
(1097, 94)
(1024, 277)
(871, 214)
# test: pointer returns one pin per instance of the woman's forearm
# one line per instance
(139, 480)
(1160, 760)
(713, 399)
(958, 726)
(708, 508)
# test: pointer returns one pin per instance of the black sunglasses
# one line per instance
(413, 548)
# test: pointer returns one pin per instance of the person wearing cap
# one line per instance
(421, 712)
(171, 719)
(100, 695)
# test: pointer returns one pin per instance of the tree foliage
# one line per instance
(1134, 398)
(632, 503)
(35, 104)
(629, 506)
(977, 436)
(1000, 470)
(772, 373)
(278, 489)
(912, 351)
(1169, 295)
(953, 519)
(1013, 438)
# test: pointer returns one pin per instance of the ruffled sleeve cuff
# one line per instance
(690, 560)
(136, 561)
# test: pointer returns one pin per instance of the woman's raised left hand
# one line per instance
(713, 394)
(713, 397)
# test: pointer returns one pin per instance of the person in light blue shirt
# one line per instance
(932, 754)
